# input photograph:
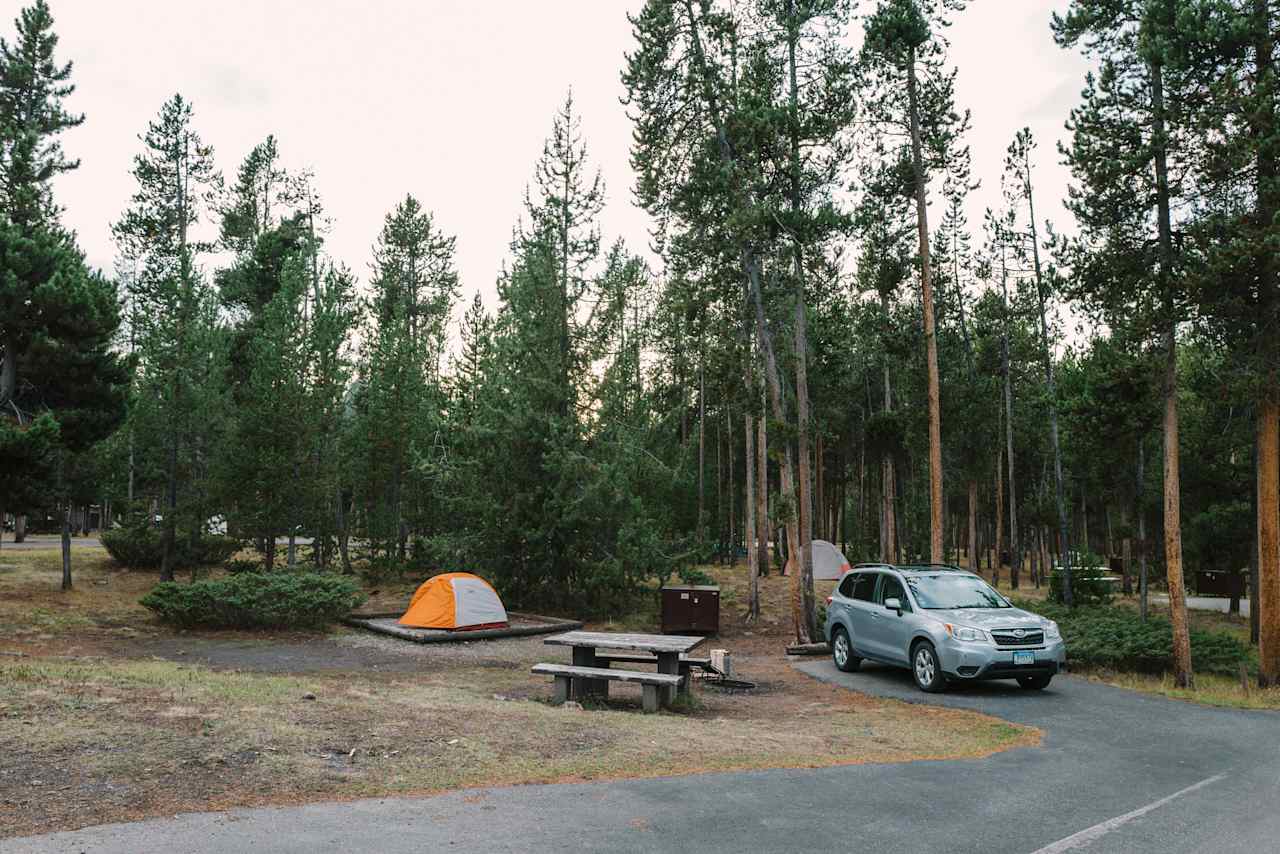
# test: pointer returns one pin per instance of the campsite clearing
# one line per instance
(106, 716)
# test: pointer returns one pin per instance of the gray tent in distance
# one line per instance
(829, 563)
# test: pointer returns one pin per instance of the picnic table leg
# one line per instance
(585, 656)
(649, 700)
(669, 662)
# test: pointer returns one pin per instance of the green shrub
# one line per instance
(1116, 638)
(140, 548)
(250, 600)
(236, 566)
(694, 576)
(1088, 583)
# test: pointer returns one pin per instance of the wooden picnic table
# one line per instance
(666, 649)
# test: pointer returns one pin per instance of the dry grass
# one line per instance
(94, 729)
(1211, 690)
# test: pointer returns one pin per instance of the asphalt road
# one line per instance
(45, 541)
(1118, 772)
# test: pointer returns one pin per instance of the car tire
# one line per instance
(926, 669)
(1036, 683)
(842, 652)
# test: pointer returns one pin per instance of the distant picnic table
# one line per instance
(590, 674)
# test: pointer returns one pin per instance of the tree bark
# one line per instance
(66, 546)
(1264, 130)
(973, 525)
(167, 539)
(762, 495)
(749, 507)
(1268, 597)
(1142, 533)
(1051, 383)
(1183, 675)
(1015, 551)
(801, 339)
(930, 338)
(998, 561)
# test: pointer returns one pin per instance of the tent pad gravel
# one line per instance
(520, 625)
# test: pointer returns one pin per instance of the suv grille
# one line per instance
(1006, 637)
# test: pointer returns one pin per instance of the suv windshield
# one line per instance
(954, 590)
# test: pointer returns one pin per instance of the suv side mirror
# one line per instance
(893, 604)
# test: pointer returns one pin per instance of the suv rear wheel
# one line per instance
(925, 668)
(842, 652)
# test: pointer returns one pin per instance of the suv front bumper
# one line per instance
(962, 660)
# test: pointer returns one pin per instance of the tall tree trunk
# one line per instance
(1015, 550)
(1052, 387)
(973, 525)
(930, 338)
(1084, 522)
(888, 489)
(344, 535)
(801, 339)
(1182, 674)
(9, 371)
(66, 545)
(1142, 533)
(19, 528)
(749, 512)
(167, 540)
(822, 529)
(802, 617)
(1267, 600)
(702, 453)
(1264, 131)
(762, 496)
(1255, 623)
(732, 537)
(999, 544)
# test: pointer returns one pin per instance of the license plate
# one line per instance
(1024, 658)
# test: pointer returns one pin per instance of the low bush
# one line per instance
(140, 548)
(1089, 585)
(237, 566)
(1116, 638)
(249, 600)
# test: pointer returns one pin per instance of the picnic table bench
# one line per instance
(591, 673)
(649, 682)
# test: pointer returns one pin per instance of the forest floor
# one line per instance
(105, 715)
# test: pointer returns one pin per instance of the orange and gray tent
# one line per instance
(829, 563)
(455, 601)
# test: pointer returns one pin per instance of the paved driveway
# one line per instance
(1118, 772)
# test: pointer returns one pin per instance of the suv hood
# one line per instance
(989, 618)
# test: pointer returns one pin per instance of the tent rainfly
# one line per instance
(455, 601)
(829, 563)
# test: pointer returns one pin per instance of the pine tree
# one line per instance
(905, 53)
(414, 287)
(179, 339)
(1126, 135)
(61, 384)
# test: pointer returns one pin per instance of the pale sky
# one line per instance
(451, 101)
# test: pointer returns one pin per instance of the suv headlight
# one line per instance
(1051, 630)
(965, 633)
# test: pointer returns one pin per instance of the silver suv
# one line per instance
(943, 623)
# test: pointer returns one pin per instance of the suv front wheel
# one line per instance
(925, 668)
(842, 652)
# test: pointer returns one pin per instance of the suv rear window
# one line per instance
(846, 585)
(865, 587)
